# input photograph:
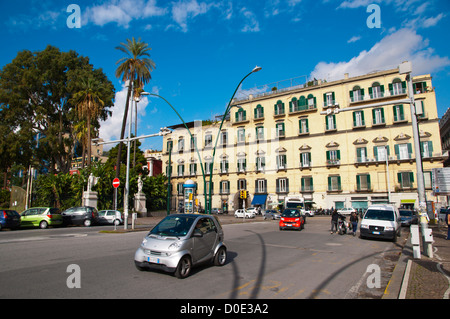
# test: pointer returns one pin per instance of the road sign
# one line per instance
(116, 182)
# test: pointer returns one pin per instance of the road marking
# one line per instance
(35, 238)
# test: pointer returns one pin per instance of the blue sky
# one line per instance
(202, 48)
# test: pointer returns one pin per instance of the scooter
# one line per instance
(343, 225)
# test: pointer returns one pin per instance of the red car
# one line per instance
(292, 219)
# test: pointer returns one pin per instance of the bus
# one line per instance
(294, 202)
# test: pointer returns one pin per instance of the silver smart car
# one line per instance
(180, 242)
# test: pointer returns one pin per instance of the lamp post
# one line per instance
(256, 69)
(170, 150)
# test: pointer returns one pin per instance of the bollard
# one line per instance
(133, 219)
(415, 241)
(428, 240)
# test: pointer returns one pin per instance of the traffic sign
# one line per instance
(116, 182)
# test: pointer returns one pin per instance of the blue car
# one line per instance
(9, 219)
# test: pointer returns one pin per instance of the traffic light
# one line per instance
(243, 194)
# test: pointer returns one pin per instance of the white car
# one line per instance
(253, 209)
(243, 213)
(347, 211)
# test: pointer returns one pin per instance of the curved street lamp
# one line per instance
(256, 69)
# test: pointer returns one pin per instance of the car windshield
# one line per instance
(379, 214)
(176, 226)
(405, 213)
(290, 213)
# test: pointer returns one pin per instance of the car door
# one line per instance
(203, 246)
(28, 216)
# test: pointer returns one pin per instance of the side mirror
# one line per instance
(197, 233)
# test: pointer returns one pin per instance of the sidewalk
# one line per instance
(424, 278)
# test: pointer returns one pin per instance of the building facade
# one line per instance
(300, 141)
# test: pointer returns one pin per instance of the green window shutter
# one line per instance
(382, 115)
(329, 183)
(404, 85)
(358, 182)
(395, 112)
(328, 155)
(411, 177)
(354, 118)
(362, 92)
(311, 182)
(339, 182)
(375, 152)
(382, 89)
(332, 96)
(236, 116)
(409, 150)
(399, 177)
(368, 182)
(430, 146)
(324, 99)
(391, 87)
(370, 91)
(373, 115)
(245, 115)
(338, 153)
(397, 150)
(351, 96)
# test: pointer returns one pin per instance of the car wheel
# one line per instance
(43, 224)
(87, 222)
(116, 222)
(184, 267)
(221, 257)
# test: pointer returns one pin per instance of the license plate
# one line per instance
(376, 232)
(154, 260)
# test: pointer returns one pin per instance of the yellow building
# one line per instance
(301, 141)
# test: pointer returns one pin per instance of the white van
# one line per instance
(381, 221)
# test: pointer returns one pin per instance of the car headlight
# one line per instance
(388, 228)
(282, 219)
(297, 219)
(175, 245)
(364, 226)
(144, 241)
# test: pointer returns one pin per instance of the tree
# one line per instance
(136, 68)
(89, 103)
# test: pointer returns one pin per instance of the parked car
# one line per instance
(216, 211)
(9, 219)
(408, 217)
(381, 221)
(272, 213)
(113, 217)
(180, 242)
(292, 219)
(83, 215)
(243, 213)
(347, 211)
(41, 217)
(254, 210)
(309, 213)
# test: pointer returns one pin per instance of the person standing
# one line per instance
(448, 224)
(334, 220)
(354, 221)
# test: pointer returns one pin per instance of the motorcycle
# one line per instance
(343, 225)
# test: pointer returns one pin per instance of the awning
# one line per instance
(259, 199)
(407, 201)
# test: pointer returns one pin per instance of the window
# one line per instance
(193, 142)
(241, 184)
(303, 126)
(282, 185)
(180, 188)
(208, 140)
(224, 166)
(259, 112)
(212, 187)
(426, 149)
(427, 179)
(333, 157)
(305, 159)
(334, 183)
(241, 135)
(398, 113)
(363, 182)
(259, 133)
(261, 186)
(397, 87)
(279, 108)
(358, 119)
(405, 179)
(224, 138)
(379, 152)
(280, 130)
(169, 146)
(330, 122)
(240, 115)
(378, 116)
(208, 165)
(307, 184)
(294, 105)
(328, 99)
(311, 102)
(403, 151)
(180, 170)
(361, 154)
(241, 164)
(357, 94)
(281, 162)
(260, 163)
(224, 187)
(376, 91)
(420, 87)
(180, 145)
(193, 169)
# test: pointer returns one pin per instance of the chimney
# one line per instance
(346, 76)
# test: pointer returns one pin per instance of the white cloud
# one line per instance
(251, 23)
(110, 129)
(122, 12)
(184, 10)
(403, 45)
(354, 39)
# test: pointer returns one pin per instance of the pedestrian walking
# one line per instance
(448, 224)
(334, 220)
(354, 221)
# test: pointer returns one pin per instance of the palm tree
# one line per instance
(89, 104)
(136, 68)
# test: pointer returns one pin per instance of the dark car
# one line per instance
(9, 219)
(408, 217)
(83, 215)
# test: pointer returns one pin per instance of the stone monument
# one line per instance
(140, 199)
(90, 198)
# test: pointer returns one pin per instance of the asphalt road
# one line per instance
(263, 262)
